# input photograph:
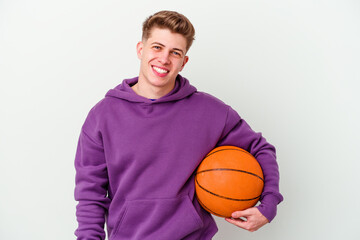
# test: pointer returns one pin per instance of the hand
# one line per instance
(249, 219)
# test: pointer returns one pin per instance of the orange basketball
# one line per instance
(229, 179)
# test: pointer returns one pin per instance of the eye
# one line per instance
(157, 47)
(176, 53)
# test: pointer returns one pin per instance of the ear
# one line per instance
(139, 49)
(186, 59)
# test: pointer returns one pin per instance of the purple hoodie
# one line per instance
(136, 159)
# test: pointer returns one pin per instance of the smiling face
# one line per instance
(162, 57)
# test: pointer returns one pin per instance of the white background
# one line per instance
(290, 68)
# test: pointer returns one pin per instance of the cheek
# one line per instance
(150, 57)
(181, 64)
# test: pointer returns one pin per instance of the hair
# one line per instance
(174, 21)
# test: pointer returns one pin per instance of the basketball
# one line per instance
(228, 179)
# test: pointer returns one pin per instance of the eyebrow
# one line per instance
(178, 49)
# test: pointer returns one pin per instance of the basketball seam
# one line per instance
(230, 169)
(228, 198)
(207, 209)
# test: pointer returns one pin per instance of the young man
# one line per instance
(140, 146)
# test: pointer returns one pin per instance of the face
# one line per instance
(162, 57)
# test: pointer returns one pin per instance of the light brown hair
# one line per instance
(174, 21)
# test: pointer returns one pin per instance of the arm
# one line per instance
(91, 186)
(237, 132)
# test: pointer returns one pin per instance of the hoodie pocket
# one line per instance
(160, 219)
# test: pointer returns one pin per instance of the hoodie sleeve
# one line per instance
(238, 133)
(91, 184)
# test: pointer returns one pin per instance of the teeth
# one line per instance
(159, 70)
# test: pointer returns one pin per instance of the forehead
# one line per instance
(167, 38)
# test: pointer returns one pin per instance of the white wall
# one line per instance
(290, 68)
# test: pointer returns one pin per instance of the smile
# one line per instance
(160, 70)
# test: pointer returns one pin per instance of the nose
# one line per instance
(164, 58)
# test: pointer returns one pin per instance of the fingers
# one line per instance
(239, 214)
(249, 226)
(250, 219)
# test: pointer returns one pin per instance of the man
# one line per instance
(140, 146)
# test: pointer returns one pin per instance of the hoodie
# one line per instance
(136, 160)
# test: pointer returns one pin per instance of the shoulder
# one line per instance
(209, 99)
(208, 107)
(214, 104)
(98, 113)
(101, 107)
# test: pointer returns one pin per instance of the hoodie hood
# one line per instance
(124, 91)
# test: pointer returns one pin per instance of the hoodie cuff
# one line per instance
(268, 206)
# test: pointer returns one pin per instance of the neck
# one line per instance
(151, 92)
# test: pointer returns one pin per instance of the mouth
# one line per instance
(161, 72)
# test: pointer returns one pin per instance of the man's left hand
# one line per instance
(249, 219)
